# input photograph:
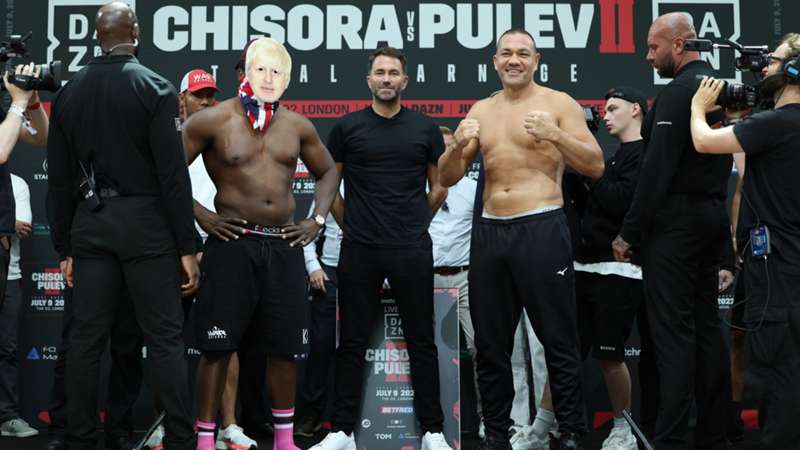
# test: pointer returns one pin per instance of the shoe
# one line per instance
(482, 430)
(17, 428)
(434, 441)
(569, 441)
(119, 443)
(57, 443)
(492, 443)
(620, 439)
(526, 439)
(156, 440)
(232, 437)
(309, 425)
(336, 441)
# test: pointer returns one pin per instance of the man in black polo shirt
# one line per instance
(115, 118)
(386, 153)
(770, 141)
(678, 218)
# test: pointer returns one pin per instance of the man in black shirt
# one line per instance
(678, 218)
(386, 154)
(609, 293)
(114, 121)
(770, 142)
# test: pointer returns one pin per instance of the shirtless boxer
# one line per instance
(253, 272)
(521, 253)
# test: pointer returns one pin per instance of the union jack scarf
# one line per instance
(258, 113)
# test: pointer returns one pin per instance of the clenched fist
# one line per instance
(467, 130)
(541, 125)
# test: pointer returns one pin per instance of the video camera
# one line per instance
(752, 58)
(49, 74)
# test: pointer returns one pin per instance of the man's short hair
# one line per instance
(446, 131)
(389, 52)
(516, 30)
(792, 40)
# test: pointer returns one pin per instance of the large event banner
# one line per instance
(587, 46)
(388, 421)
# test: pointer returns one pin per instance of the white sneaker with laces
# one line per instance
(155, 441)
(17, 428)
(526, 439)
(620, 439)
(232, 437)
(434, 441)
(336, 441)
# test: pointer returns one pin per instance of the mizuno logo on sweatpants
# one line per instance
(562, 271)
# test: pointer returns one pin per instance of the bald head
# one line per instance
(676, 24)
(116, 23)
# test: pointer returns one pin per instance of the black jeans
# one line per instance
(525, 262)
(680, 267)
(127, 243)
(362, 269)
(322, 346)
(9, 359)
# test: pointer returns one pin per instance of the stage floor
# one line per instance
(592, 441)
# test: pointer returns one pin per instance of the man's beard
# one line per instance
(376, 95)
(667, 69)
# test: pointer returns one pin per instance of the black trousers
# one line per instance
(773, 347)
(322, 346)
(362, 270)
(9, 357)
(680, 267)
(125, 379)
(127, 243)
(525, 262)
(648, 375)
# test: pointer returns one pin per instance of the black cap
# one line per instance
(629, 94)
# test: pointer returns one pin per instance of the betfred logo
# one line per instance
(397, 410)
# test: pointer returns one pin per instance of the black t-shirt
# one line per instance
(385, 173)
(7, 205)
(771, 142)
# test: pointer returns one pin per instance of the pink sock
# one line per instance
(205, 435)
(282, 420)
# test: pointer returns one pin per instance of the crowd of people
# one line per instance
(167, 204)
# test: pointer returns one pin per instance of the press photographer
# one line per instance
(25, 120)
(768, 234)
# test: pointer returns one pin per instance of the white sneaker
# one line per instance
(620, 439)
(482, 430)
(232, 437)
(17, 428)
(526, 439)
(155, 441)
(434, 441)
(336, 441)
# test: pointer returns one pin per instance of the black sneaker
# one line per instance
(308, 425)
(569, 441)
(493, 443)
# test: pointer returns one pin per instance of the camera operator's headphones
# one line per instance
(791, 70)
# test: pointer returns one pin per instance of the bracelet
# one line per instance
(34, 106)
(18, 110)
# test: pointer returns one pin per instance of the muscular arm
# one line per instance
(436, 192)
(708, 140)
(576, 143)
(458, 156)
(61, 199)
(320, 164)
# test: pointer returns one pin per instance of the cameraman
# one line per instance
(25, 110)
(770, 140)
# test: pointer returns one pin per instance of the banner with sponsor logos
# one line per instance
(387, 408)
(587, 46)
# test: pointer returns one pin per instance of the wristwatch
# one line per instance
(319, 219)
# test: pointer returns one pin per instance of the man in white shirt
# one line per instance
(321, 268)
(11, 425)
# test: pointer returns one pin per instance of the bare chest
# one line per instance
(239, 145)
